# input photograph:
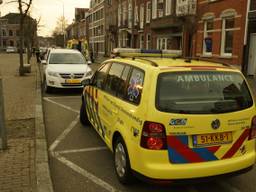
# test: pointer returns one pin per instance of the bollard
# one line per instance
(3, 138)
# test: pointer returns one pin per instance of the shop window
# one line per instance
(207, 40)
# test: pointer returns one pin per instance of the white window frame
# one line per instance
(119, 15)
(168, 7)
(142, 16)
(223, 36)
(130, 13)
(148, 14)
(154, 9)
(206, 35)
(136, 15)
(160, 42)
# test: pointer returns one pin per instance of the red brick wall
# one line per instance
(240, 6)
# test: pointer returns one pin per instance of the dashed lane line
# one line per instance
(61, 105)
(85, 173)
(83, 150)
(64, 134)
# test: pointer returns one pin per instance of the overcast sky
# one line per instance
(49, 11)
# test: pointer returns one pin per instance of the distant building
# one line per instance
(220, 31)
(250, 56)
(97, 24)
(10, 31)
(77, 30)
(46, 41)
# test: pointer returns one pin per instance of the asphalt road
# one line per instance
(80, 162)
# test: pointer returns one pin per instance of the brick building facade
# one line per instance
(220, 31)
(250, 56)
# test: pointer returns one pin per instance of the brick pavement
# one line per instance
(17, 163)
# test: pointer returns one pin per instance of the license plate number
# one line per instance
(212, 139)
(73, 81)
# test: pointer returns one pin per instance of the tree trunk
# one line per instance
(21, 71)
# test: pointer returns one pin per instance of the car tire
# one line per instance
(122, 163)
(83, 114)
(47, 89)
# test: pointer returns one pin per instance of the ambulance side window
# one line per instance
(100, 76)
(113, 78)
(135, 86)
(122, 87)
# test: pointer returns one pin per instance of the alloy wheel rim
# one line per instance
(120, 159)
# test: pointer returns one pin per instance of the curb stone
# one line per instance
(43, 178)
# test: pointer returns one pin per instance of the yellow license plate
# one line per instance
(73, 81)
(212, 139)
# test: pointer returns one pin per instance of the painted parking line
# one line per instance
(85, 173)
(63, 135)
(83, 150)
(61, 105)
(64, 97)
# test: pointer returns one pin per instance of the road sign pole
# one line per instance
(3, 138)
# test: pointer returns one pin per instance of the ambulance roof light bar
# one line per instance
(129, 52)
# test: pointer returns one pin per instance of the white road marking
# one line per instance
(63, 97)
(64, 134)
(61, 105)
(70, 164)
(85, 173)
(228, 187)
(82, 150)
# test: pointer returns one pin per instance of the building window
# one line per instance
(160, 8)
(148, 45)
(11, 43)
(148, 14)
(207, 40)
(154, 9)
(136, 15)
(124, 11)
(142, 16)
(168, 7)
(130, 14)
(10, 33)
(161, 43)
(141, 41)
(119, 15)
(4, 43)
(4, 33)
(228, 25)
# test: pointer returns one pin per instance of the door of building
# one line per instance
(252, 56)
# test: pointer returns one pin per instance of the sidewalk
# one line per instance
(18, 164)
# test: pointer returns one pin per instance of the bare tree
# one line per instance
(23, 7)
(59, 31)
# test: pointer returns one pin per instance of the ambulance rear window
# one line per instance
(202, 92)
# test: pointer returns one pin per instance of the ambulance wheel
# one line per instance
(83, 114)
(122, 162)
